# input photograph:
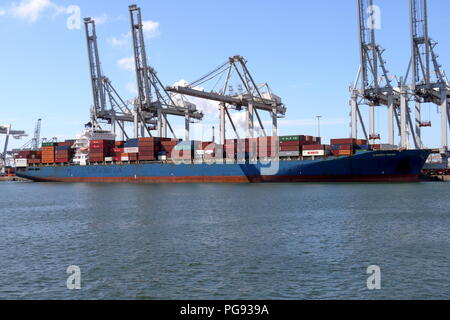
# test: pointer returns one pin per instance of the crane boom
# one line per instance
(153, 97)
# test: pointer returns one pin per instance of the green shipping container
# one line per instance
(49, 144)
(289, 138)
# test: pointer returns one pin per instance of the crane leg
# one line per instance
(404, 120)
(136, 125)
(444, 120)
(418, 122)
(186, 127)
(222, 124)
(250, 121)
(354, 115)
(391, 140)
(274, 123)
(372, 122)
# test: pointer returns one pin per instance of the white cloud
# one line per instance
(151, 30)
(132, 88)
(126, 63)
(104, 18)
(120, 41)
(209, 108)
(31, 10)
(2, 12)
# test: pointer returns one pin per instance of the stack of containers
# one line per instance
(343, 147)
(246, 148)
(100, 149)
(209, 150)
(63, 152)
(148, 148)
(205, 149)
(362, 146)
(291, 146)
(131, 150)
(266, 147)
(48, 152)
(117, 151)
(167, 145)
(316, 150)
(32, 157)
(230, 149)
(186, 150)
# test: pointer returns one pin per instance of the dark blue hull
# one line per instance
(365, 167)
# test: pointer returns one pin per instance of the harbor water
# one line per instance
(224, 241)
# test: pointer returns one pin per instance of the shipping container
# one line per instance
(312, 153)
(290, 148)
(316, 147)
(343, 141)
(289, 153)
(131, 150)
(292, 138)
(21, 163)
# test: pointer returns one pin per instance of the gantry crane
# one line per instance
(253, 97)
(429, 83)
(35, 142)
(373, 85)
(153, 99)
(108, 104)
(7, 131)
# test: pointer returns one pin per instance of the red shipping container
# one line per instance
(361, 142)
(148, 149)
(102, 141)
(205, 144)
(346, 147)
(148, 139)
(343, 141)
(147, 158)
(65, 144)
(290, 148)
(291, 143)
(146, 154)
(314, 147)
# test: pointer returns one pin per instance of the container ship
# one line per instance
(97, 157)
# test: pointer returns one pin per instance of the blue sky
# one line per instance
(306, 50)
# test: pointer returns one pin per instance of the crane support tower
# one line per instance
(429, 83)
(373, 85)
(107, 103)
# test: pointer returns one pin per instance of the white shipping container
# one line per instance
(131, 150)
(312, 153)
(108, 159)
(124, 158)
(21, 163)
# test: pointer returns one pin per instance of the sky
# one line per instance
(307, 51)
